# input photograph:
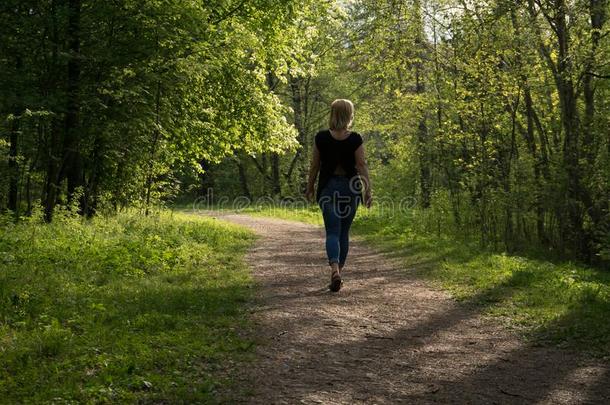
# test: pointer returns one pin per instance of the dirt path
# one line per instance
(387, 337)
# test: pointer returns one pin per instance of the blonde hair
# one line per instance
(341, 114)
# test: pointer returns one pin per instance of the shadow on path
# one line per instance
(388, 337)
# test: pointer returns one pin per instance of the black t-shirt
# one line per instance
(333, 153)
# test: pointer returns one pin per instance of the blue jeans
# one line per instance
(338, 203)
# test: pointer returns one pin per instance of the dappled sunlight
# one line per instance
(388, 336)
(182, 182)
(583, 377)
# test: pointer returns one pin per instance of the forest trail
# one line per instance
(387, 337)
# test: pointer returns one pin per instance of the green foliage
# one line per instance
(121, 309)
(309, 214)
(489, 116)
(301, 82)
(490, 113)
(121, 97)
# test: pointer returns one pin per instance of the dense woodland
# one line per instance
(494, 115)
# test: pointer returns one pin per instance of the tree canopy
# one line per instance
(494, 115)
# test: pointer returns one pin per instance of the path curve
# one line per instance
(387, 337)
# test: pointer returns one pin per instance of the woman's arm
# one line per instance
(363, 171)
(314, 168)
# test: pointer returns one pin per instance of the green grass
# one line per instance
(308, 214)
(560, 303)
(122, 309)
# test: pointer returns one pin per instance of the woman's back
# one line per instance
(337, 156)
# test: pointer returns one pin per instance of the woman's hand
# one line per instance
(363, 171)
(368, 199)
(309, 194)
(313, 173)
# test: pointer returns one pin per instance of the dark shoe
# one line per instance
(335, 282)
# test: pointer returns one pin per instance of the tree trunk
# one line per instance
(597, 13)
(425, 172)
(91, 197)
(153, 148)
(205, 181)
(275, 174)
(540, 160)
(72, 159)
(52, 184)
(297, 106)
(13, 166)
(597, 207)
(243, 178)
(51, 187)
(569, 118)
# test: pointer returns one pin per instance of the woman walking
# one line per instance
(338, 157)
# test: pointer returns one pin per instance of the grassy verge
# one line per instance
(124, 309)
(308, 214)
(560, 303)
